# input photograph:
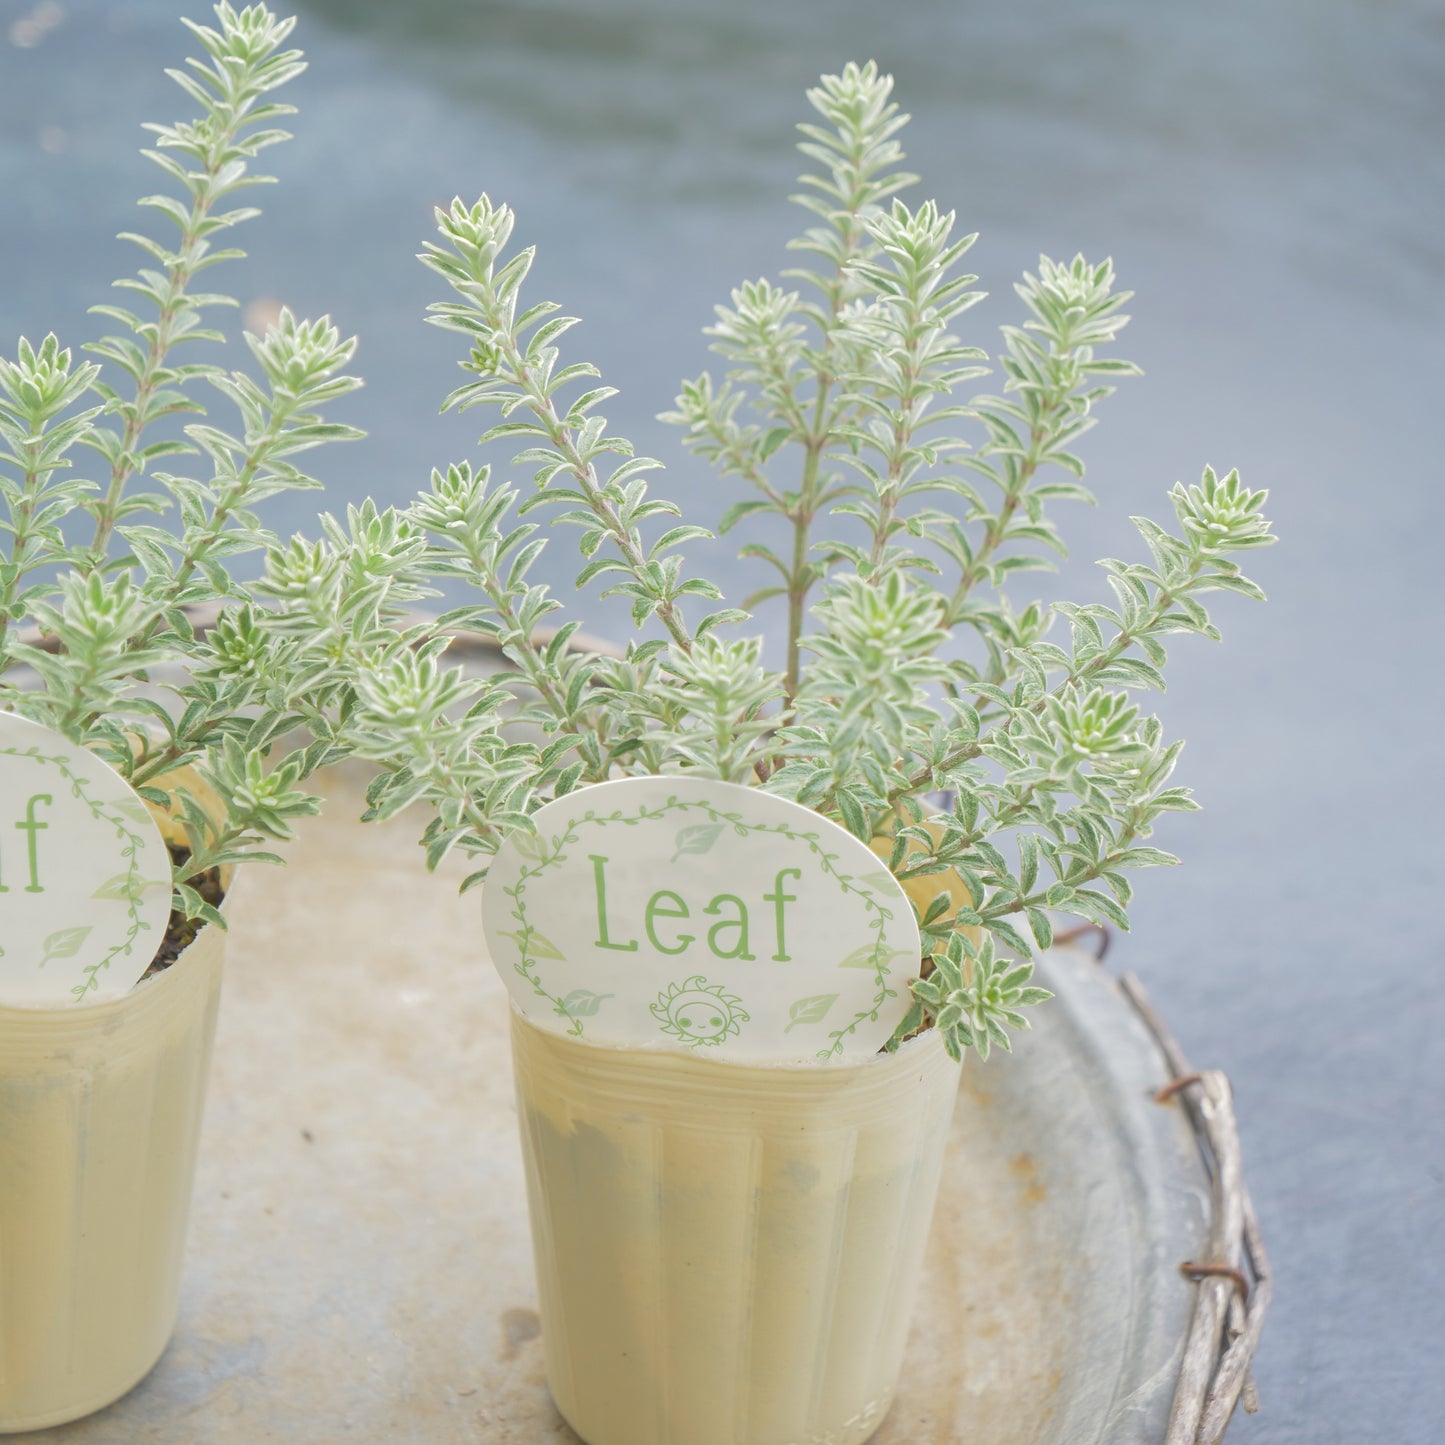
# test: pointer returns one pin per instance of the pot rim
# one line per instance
(696, 1072)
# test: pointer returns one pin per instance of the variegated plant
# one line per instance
(992, 752)
(125, 506)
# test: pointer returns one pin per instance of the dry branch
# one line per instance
(1214, 1375)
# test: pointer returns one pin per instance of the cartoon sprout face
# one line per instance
(698, 1012)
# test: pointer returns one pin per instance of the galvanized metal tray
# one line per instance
(359, 1266)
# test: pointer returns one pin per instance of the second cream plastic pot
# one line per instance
(727, 1254)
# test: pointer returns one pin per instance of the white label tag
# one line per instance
(695, 915)
(85, 876)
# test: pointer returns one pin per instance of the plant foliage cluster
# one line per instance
(969, 739)
(125, 505)
(916, 703)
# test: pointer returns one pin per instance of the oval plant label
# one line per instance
(85, 876)
(702, 916)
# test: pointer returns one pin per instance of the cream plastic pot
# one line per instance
(727, 1254)
(100, 1114)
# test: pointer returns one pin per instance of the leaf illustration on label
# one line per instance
(810, 1010)
(868, 956)
(878, 882)
(538, 945)
(861, 957)
(126, 886)
(583, 1003)
(118, 887)
(132, 808)
(63, 943)
(698, 839)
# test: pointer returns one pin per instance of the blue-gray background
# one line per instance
(1269, 177)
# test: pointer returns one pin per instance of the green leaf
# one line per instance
(534, 944)
(64, 943)
(699, 838)
(811, 1010)
(123, 886)
(867, 956)
(1010, 935)
(854, 818)
(879, 882)
(1098, 908)
(1145, 858)
(1041, 927)
(583, 1003)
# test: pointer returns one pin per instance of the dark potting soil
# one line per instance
(181, 931)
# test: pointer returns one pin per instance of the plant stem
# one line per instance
(561, 437)
(903, 429)
(23, 515)
(800, 579)
(178, 278)
(997, 527)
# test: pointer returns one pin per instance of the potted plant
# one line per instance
(728, 1250)
(124, 504)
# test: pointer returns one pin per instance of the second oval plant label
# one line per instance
(701, 916)
(85, 876)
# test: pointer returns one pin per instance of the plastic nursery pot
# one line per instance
(727, 1254)
(100, 1117)
(100, 1114)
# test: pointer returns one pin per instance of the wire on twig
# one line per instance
(1229, 1310)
